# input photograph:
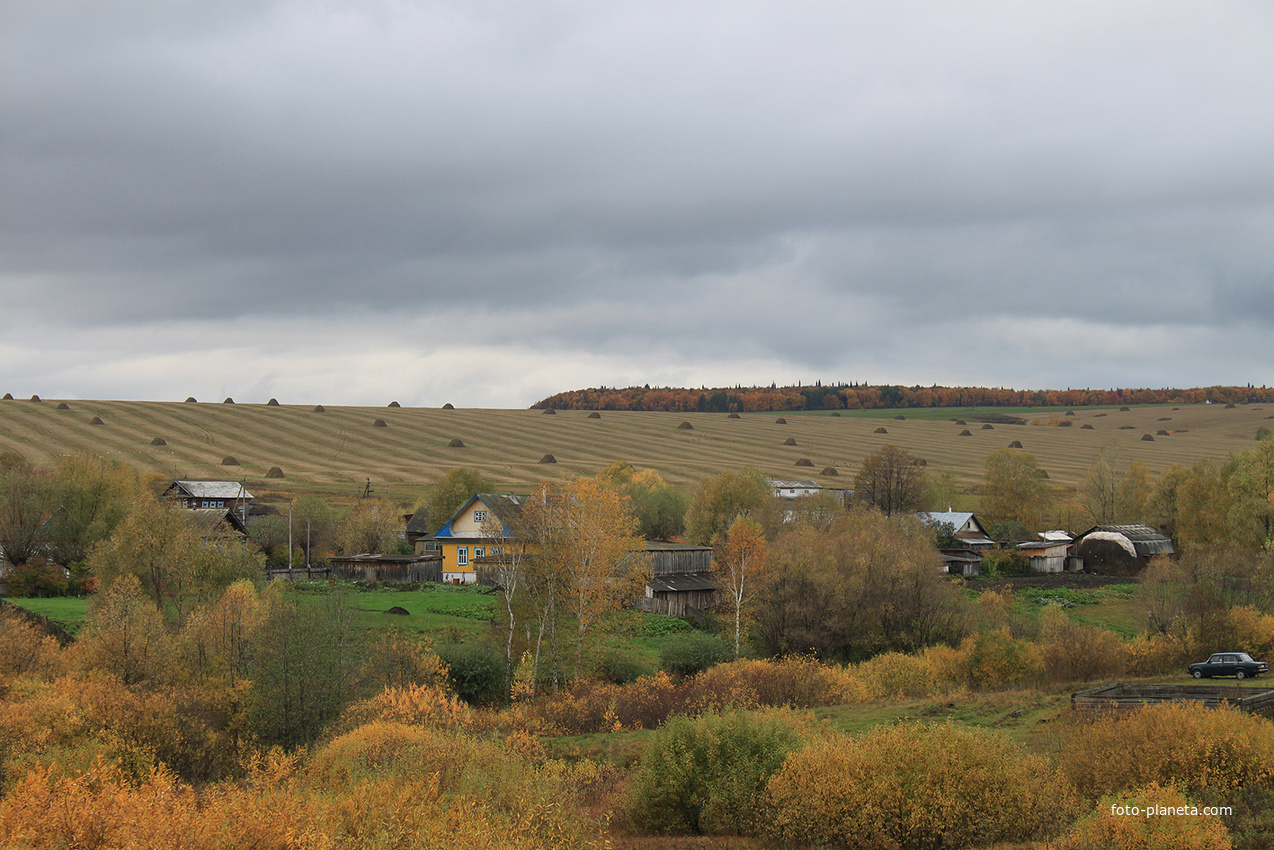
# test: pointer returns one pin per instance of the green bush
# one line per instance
(688, 654)
(621, 668)
(706, 775)
(476, 672)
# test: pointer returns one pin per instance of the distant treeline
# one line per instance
(867, 397)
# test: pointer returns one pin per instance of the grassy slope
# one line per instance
(340, 449)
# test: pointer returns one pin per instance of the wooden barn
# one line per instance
(681, 580)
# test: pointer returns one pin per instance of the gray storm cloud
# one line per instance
(601, 193)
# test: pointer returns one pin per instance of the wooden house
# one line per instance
(481, 528)
(962, 554)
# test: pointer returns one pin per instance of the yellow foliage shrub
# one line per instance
(1185, 744)
(25, 650)
(1153, 818)
(1153, 655)
(996, 660)
(948, 666)
(392, 785)
(915, 786)
(894, 675)
(102, 809)
(432, 706)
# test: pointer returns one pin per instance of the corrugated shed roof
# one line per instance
(1145, 540)
(211, 489)
(956, 518)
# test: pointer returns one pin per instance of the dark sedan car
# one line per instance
(1237, 664)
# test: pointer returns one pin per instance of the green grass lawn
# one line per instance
(67, 611)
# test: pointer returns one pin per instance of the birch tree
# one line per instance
(739, 561)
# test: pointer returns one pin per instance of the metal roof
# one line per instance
(211, 489)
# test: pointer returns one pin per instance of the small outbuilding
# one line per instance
(1120, 549)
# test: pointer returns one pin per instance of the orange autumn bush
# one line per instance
(432, 706)
(1185, 744)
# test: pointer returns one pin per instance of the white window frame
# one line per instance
(462, 556)
(478, 552)
(479, 516)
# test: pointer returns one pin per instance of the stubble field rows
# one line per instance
(342, 448)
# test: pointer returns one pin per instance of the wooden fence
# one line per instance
(1121, 697)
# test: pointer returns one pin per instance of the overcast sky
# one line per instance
(486, 202)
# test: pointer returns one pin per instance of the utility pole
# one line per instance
(289, 537)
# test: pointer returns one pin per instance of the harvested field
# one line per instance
(338, 449)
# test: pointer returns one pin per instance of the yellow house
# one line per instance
(477, 530)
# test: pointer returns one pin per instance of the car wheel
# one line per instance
(1240, 674)
(1198, 674)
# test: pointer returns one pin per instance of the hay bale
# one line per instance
(1162, 433)
(921, 462)
(159, 441)
(37, 398)
(399, 611)
(836, 413)
(988, 427)
(829, 470)
(805, 462)
(1147, 438)
(1124, 409)
(457, 443)
(379, 423)
(548, 459)
(550, 411)
(394, 404)
(229, 460)
(1098, 415)
(1041, 473)
(318, 408)
(228, 400)
(961, 422)
(685, 426)
(1065, 423)
(1227, 407)
(275, 472)
(1177, 408)
(96, 420)
(1069, 413)
(8, 397)
(274, 402)
(64, 406)
(594, 415)
(448, 406)
(1164, 419)
(780, 421)
(1016, 444)
(881, 430)
(965, 433)
(1087, 427)
(734, 416)
(900, 417)
(191, 400)
(790, 441)
(1127, 427)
